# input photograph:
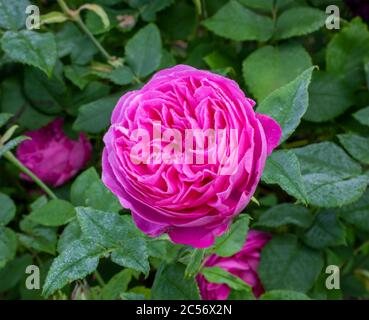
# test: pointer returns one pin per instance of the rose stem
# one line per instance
(74, 15)
(8, 155)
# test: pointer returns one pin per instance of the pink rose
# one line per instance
(243, 264)
(52, 156)
(192, 202)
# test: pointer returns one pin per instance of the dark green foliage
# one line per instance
(314, 196)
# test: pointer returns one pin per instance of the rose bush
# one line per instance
(195, 202)
(142, 141)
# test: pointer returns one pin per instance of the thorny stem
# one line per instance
(9, 156)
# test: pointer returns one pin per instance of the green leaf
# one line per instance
(234, 21)
(88, 190)
(7, 209)
(195, 262)
(39, 202)
(37, 237)
(219, 275)
(13, 14)
(283, 168)
(162, 249)
(269, 200)
(47, 94)
(112, 231)
(269, 68)
(326, 231)
(94, 117)
(8, 245)
(142, 291)
(4, 118)
(31, 48)
(76, 262)
(285, 214)
(98, 10)
(132, 253)
(99, 197)
(240, 289)
(143, 50)
(81, 184)
(13, 272)
(331, 177)
(170, 284)
(71, 41)
(257, 4)
(266, 5)
(149, 10)
(329, 191)
(288, 104)
(233, 240)
(179, 22)
(53, 17)
(116, 285)
(357, 213)
(70, 233)
(93, 91)
(357, 146)
(66, 39)
(362, 116)
(329, 97)
(131, 296)
(195, 57)
(346, 51)
(366, 69)
(12, 144)
(216, 60)
(77, 75)
(167, 60)
(55, 213)
(121, 76)
(95, 25)
(157, 248)
(299, 21)
(13, 101)
(283, 295)
(8, 134)
(326, 158)
(107, 229)
(241, 295)
(287, 264)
